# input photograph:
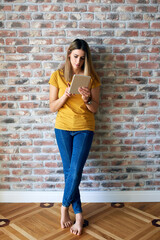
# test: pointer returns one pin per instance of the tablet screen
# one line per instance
(79, 81)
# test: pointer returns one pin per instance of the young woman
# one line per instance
(75, 125)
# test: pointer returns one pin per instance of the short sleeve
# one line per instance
(53, 80)
(95, 82)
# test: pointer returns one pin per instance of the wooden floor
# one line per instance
(34, 221)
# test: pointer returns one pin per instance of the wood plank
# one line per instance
(31, 222)
(149, 232)
(151, 208)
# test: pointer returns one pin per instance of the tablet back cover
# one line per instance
(79, 81)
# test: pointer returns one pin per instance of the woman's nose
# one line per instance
(78, 60)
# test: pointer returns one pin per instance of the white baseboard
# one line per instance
(86, 196)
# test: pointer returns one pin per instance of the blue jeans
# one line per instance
(74, 147)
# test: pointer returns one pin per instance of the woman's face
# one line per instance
(77, 58)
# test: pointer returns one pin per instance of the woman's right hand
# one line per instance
(55, 102)
(67, 91)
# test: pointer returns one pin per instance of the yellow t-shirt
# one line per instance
(74, 115)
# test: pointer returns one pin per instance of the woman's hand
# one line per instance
(85, 92)
(55, 102)
(67, 94)
(93, 94)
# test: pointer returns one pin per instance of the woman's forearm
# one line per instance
(93, 106)
(92, 94)
(55, 105)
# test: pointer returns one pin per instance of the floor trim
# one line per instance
(86, 196)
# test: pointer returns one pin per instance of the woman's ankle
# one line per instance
(64, 208)
(79, 216)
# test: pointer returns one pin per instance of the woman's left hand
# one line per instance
(85, 92)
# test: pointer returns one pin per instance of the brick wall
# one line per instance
(124, 36)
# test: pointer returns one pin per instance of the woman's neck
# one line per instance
(78, 72)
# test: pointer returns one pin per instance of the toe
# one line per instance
(66, 224)
(62, 225)
(79, 233)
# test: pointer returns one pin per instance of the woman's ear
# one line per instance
(69, 53)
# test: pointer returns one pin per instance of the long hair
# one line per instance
(87, 66)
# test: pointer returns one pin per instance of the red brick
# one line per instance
(43, 171)
(138, 25)
(33, 8)
(16, 57)
(54, 32)
(157, 147)
(154, 81)
(29, 33)
(139, 57)
(111, 185)
(29, 105)
(145, 119)
(135, 96)
(50, 8)
(42, 57)
(21, 186)
(32, 179)
(30, 150)
(21, 143)
(146, 8)
(156, 41)
(10, 179)
(155, 25)
(126, 33)
(66, 24)
(50, 150)
(43, 143)
(51, 164)
(7, 49)
(133, 111)
(89, 25)
(28, 89)
(122, 8)
(40, 41)
(17, 25)
(123, 49)
(30, 65)
(27, 49)
(5, 8)
(99, 8)
(149, 65)
(149, 34)
(75, 8)
(44, 186)
(13, 74)
(5, 186)
(37, 24)
(26, 74)
(3, 74)
(7, 33)
(79, 33)
(135, 1)
(63, 16)
(20, 172)
(4, 172)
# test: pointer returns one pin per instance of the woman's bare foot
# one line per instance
(78, 226)
(65, 218)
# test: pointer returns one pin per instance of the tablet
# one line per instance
(79, 81)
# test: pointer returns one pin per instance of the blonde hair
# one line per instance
(87, 66)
